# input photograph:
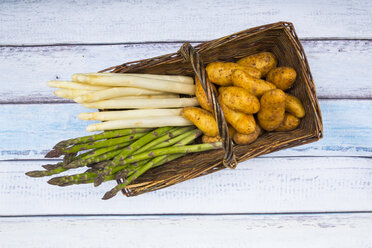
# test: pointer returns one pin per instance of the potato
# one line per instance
(220, 72)
(201, 96)
(272, 109)
(264, 62)
(241, 122)
(282, 77)
(243, 139)
(254, 86)
(202, 119)
(209, 139)
(294, 106)
(240, 99)
(289, 123)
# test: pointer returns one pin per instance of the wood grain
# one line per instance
(262, 231)
(261, 185)
(48, 22)
(338, 66)
(28, 131)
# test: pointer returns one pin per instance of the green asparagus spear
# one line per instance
(172, 133)
(154, 162)
(103, 143)
(103, 135)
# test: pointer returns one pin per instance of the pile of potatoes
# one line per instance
(251, 105)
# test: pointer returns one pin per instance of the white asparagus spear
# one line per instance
(146, 97)
(159, 121)
(176, 78)
(143, 103)
(140, 97)
(77, 99)
(115, 92)
(71, 94)
(139, 82)
(128, 114)
(74, 85)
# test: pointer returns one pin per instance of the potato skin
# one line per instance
(282, 77)
(209, 139)
(240, 99)
(250, 71)
(264, 61)
(241, 122)
(272, 110)
(254, 86)
(289, 123)
(294, 106)
(243, 139)
(201, 96)
(202, 119)
(220, 72)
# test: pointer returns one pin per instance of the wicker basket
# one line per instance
(279, 38)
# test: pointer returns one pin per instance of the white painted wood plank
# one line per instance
(28, 131)
(45, 22)
(338, 67)
(337, 230)
(261, 185)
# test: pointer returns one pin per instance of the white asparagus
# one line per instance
(139, 82)
(128, 114)
(115, 92)
(140, 97)
(175, 78)
(71, 94)
(143, 103)
(146, 97)
(160, 121)
(74, 85)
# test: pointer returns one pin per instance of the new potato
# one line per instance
(282, 77)
(202, 119)
(264, 62)
(239, 99)
(210, 139)
(220, 72)
(201, 96)
(272, 109)
(243, 139)
(242, 123)
(289, 123)
(254, 86)
(294, 106)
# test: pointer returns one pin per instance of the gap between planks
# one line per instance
(194, 42)
(174, 215)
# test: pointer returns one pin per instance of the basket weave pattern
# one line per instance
(279, 38)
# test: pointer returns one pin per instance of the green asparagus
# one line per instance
(103, 135)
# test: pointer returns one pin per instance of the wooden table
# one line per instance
(317, 195)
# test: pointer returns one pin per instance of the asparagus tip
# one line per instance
(55, 181)
(98, 181)
(60, 144)
(110, 194)
(50, 166)
(53, 153)
(35, 173)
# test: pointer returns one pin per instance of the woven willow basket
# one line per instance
(279, 38)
